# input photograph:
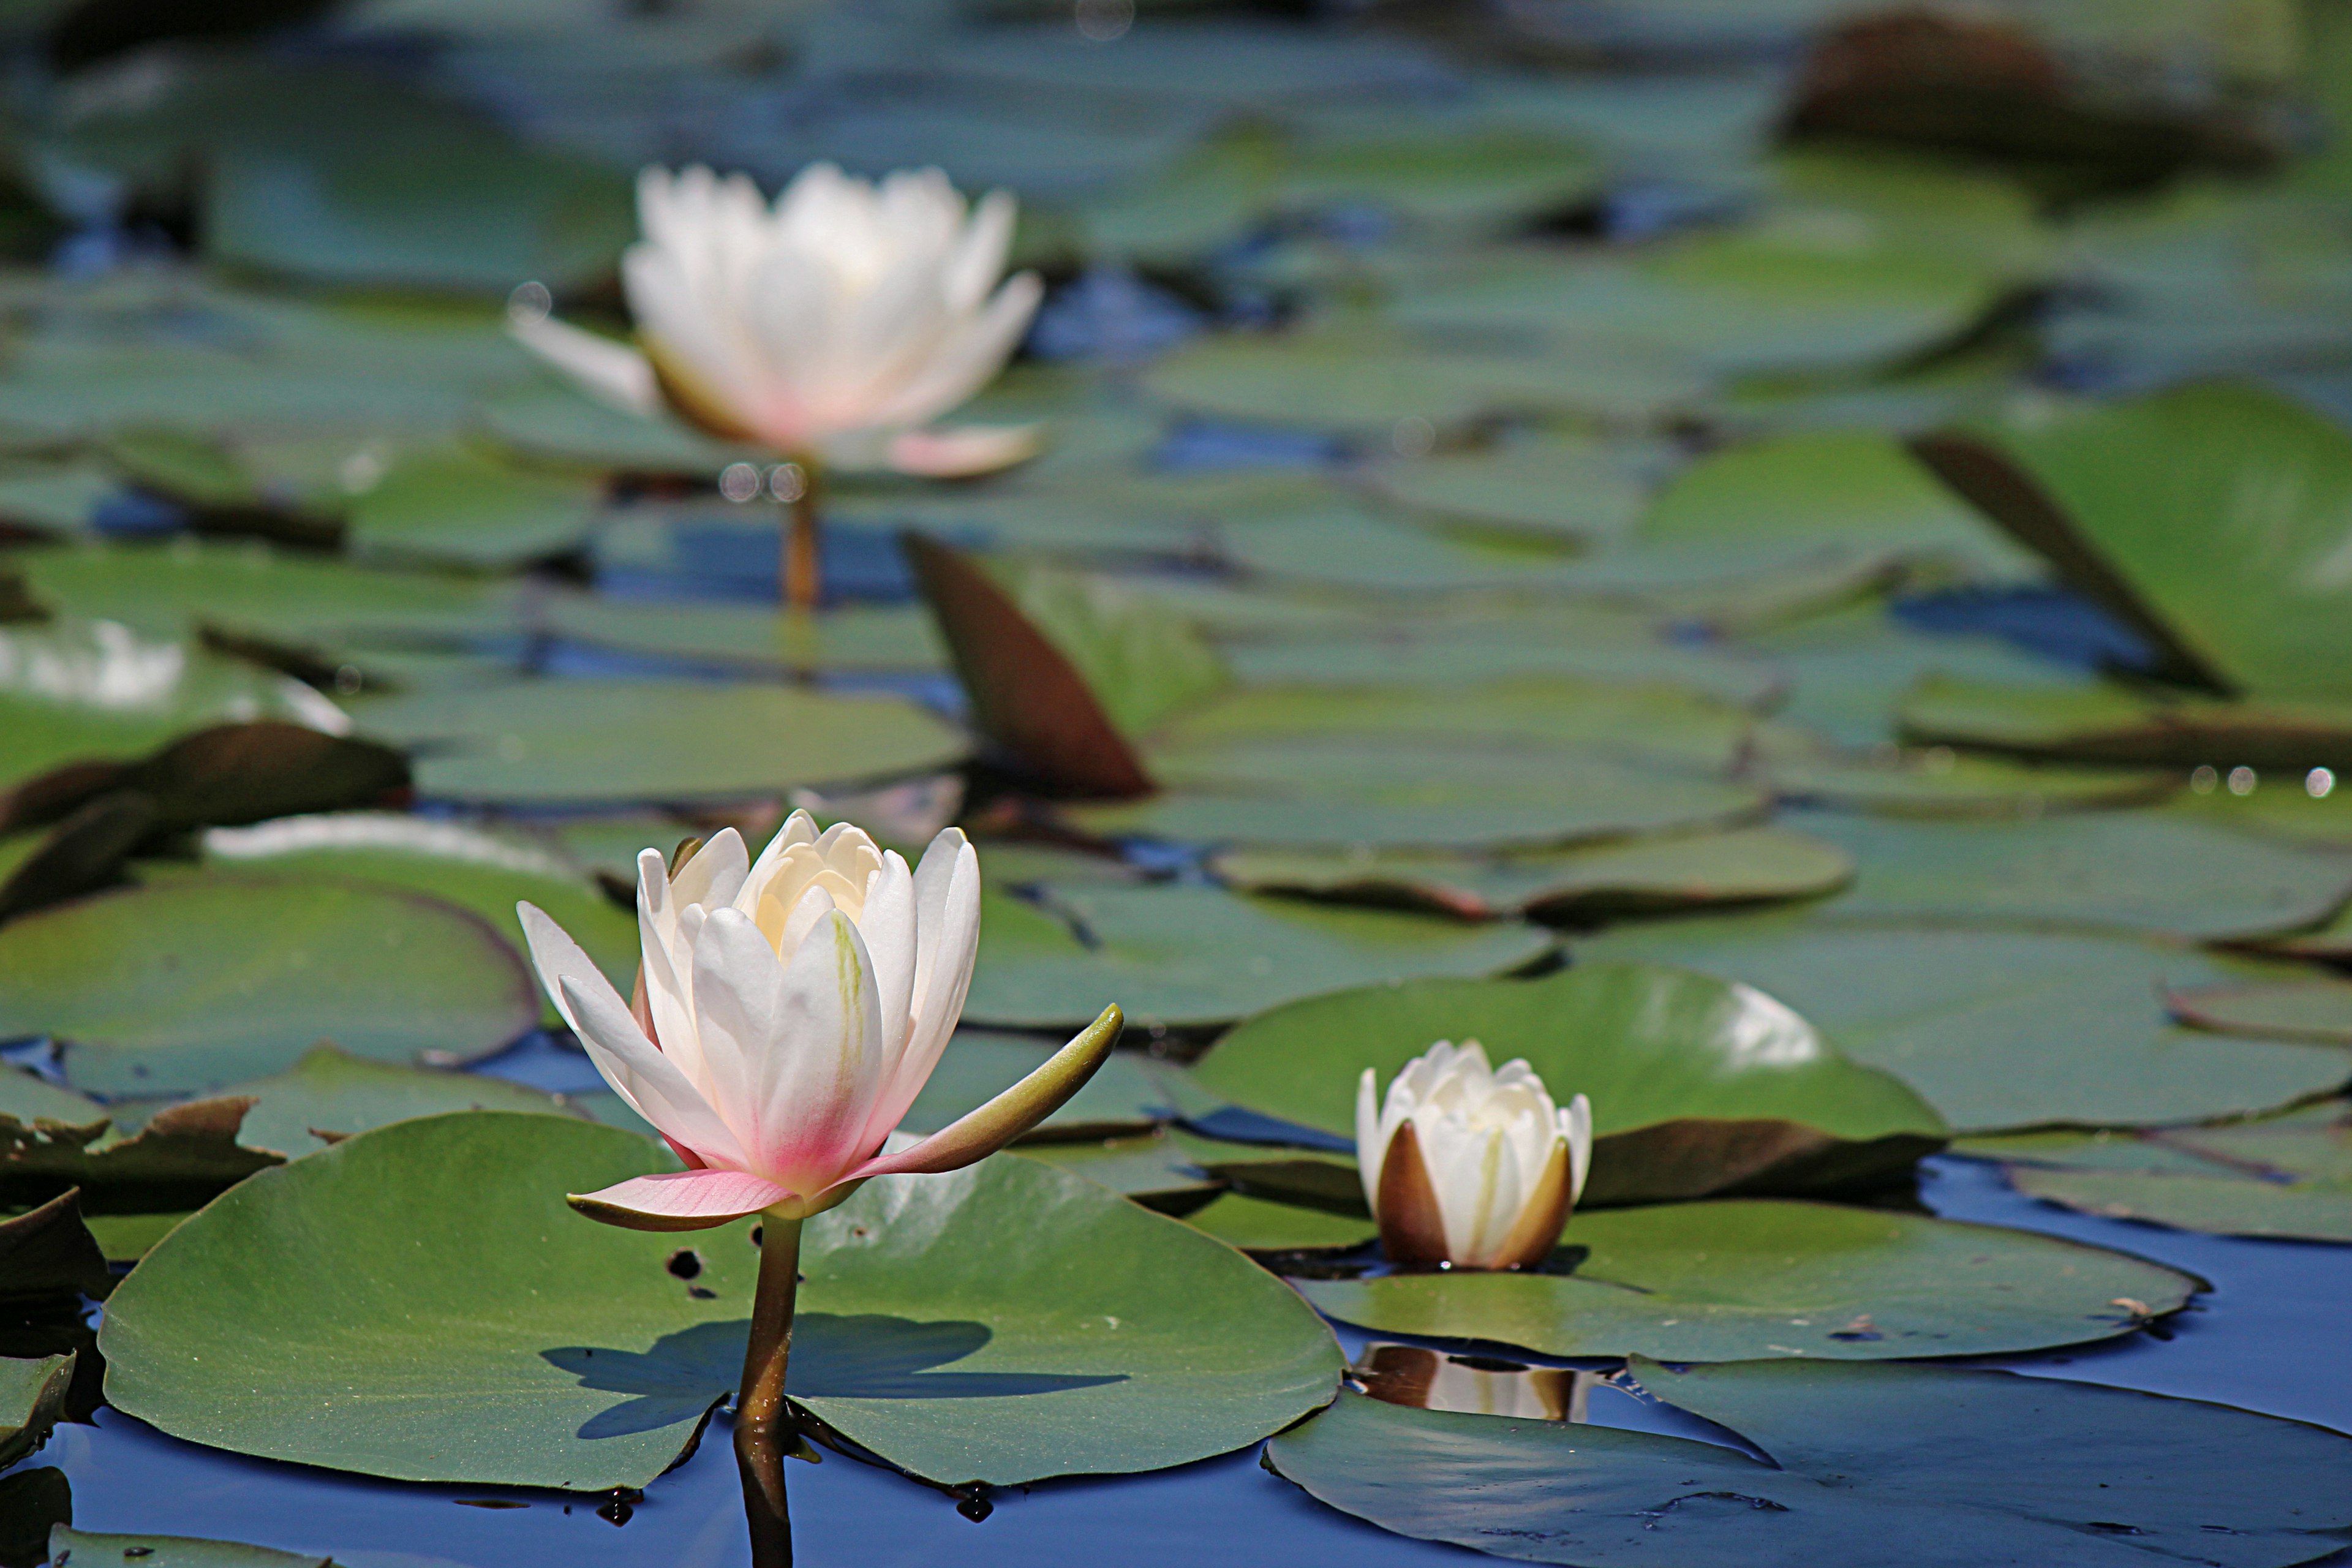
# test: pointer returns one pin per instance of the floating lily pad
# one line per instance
(472, 868)
(2003, 1028)
(457, 506)
(2318, 1010)
(48, 1258)
(558, 423)
(1184, 955)
(2023, 1470)
(1154, 1169)
(2288, 1176)
(1260, 1226)
(331, 1094)
(213, 979)
(179, 1159)
(76, 691)
(1938, 781)
(1000, 1324)
(2106, 724)
(2147, 870)
(1697, 1087)
(589, 741)
(1737, 1279)
(1579, 491)
(2208, 517)
(32, 1396)
(1600, 881)
(852, 637)
(68, 1545)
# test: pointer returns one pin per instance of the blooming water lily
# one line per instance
(787, 1013)
(1467, 1165)
(832, 328)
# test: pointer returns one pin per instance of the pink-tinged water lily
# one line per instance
(833, 328)
(1467, 1165)
(788, 1012)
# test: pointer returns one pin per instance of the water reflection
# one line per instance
(1426, 1379)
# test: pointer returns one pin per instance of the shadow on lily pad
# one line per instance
(869, 1355)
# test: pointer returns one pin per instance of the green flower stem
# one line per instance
(803, 570)
(763, 1430)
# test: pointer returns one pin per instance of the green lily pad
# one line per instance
(2208, 517)
(456, 505)
(175, 590)
(1002, 1324)
(473, 867)
(76, 691)
(1802, 495)
(1341, 546)
(182, 1156)
(1938, 781)
(978, 1064)
(592, 741)
(2001, 1028)
(1154, 1169)
(1600, 881)
(32, 1396)
(554, 422)
(1575, 489)
(1736, 1279)
(2023, 1469)
(48, 1257)
(1186, 955)
(2144, 870)
(1449, 174)
(754, 638)
(2318, 1010)
(2108, 725)
(1260, 1226)
(331, 1094)
(213, 979)
(66, 1543)
(2288, 1176)
(1686, 1099)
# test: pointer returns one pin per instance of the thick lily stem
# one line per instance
(763, 1431)
(804, 568)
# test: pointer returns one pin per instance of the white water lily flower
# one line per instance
(833, 328)
(1467, 1165)
(788, 1012)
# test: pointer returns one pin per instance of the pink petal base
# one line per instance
(680, 1200)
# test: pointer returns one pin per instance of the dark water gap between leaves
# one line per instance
(2269, 1339)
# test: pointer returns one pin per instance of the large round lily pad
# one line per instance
(2003, 1027)
(1729, 1281)
(206, 980)
(1001, 1324)
(583, 741)
(1187, 954)
(2010, 1470)
(1696, 1086)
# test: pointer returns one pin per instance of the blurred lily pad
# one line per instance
(1938, 781)
(1600, 881)
(1185, 955)
(77, 691)
(757, 637)
(613, 741)
(2025, 1469)
(2108, 724)
(456, 505)
(213, 979)
(1736, 1279)
(2003, 1027)
(2144, 870)
(1003, 1323)
(2290, 1010)
(1561, 488)
(472, 867)
(1697, 1087)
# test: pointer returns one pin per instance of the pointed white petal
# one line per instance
(614, 373)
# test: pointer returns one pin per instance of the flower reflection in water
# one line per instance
(1426, 1379)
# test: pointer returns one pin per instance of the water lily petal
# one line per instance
(649, 1078)
(964, 451)
(967, 360)
(614, 373)
(818, 1089)
(1413, 1228)
(739, 1018)
(979, 1133)
(680, 1200)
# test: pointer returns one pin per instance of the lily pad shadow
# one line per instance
(866, 1355)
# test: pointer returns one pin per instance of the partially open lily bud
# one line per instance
(1468, 1166)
